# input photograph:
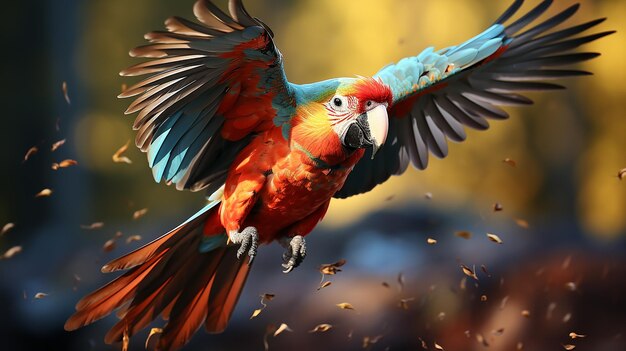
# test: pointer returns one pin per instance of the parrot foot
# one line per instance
(248, 239)
(295, 253)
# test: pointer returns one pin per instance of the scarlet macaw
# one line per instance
(218, 114)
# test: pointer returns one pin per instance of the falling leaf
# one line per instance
(57, 145)
(469, 272)
(332, 268)
(282, 328)
(57, 125)
(566, 262)
(526, 313)
(132, 238)
(431, 241)
(264, 297)
(463, 234)
(44, 193)
(267, 297)
(463, 283)
(493, 237)
(481, 340)
(33, 150)
(370, 340)
(40, 295)
(503, 302)
(428, 196)
(385, 284)
(11, 252)
(65, 94)
(424, 346)
(438, 347)
(497, 207)
(109, 245)
(153, 331)
(325, 284)
(7, 227)
(404, 303)
(571, 286)
(321, 328)
(484, 269)
(92, 226)
(467, 333)
(64, 164)
(76, 281)
(140, 213)
(520, 345)
(256, 313)
(621, 174)
(389, 198)
(575, 335)
(345, 306)
(117, 156)
(567, 317)
(509, 161)
(498, 332)
(569, 347)
(483, 298)
(522, 223)
(400, 282)
(269, 330)
(118, 234)
(441, 316)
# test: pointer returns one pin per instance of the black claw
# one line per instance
(295, 253)
(248, 241)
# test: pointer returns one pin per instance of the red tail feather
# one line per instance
(172, 278)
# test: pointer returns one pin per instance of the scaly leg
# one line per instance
(248, 239)
(295, 253)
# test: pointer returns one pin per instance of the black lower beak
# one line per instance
(368, 129)
(357, 135)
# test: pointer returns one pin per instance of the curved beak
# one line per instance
(378, 123)
(368, 129)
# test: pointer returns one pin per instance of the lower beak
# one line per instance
(378, 122)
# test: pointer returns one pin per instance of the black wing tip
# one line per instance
(508, 13)
(606, 33)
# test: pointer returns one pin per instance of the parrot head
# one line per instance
(358, 113)
(345, 115)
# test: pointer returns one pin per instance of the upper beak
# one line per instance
(378, 122)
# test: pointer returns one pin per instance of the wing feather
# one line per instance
(438, 93)
(204, 78)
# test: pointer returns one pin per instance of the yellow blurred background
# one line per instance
(569, 143)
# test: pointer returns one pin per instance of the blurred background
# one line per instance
(561, 206)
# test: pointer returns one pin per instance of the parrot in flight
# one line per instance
(217, 114)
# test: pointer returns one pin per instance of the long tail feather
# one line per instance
(173, 278)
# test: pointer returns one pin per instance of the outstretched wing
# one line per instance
(212, 85)
(438, 93)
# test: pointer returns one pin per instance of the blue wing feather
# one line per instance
(437, 93)
(177, 122)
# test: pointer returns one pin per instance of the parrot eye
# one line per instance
(369, 103)
(339, 103)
